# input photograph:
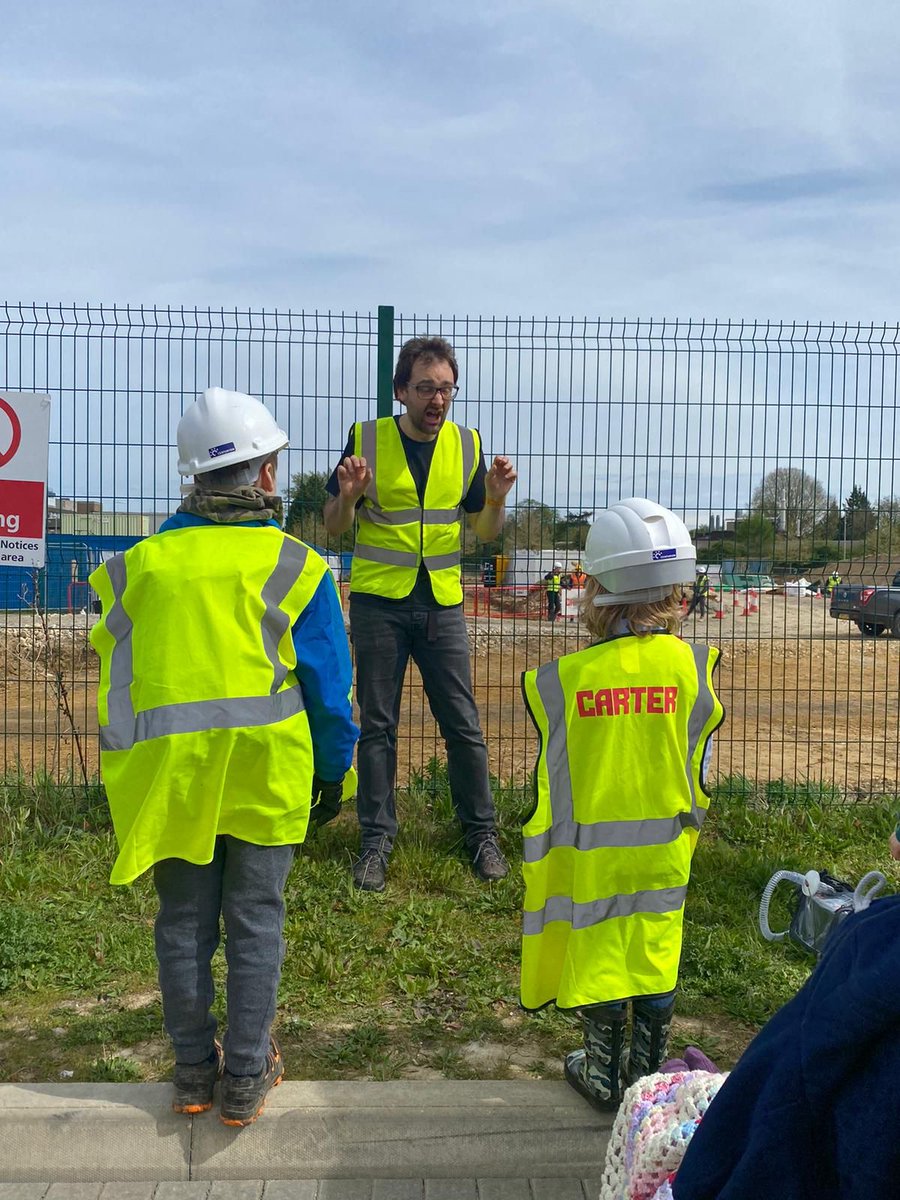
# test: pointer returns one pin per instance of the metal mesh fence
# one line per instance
(777, 443)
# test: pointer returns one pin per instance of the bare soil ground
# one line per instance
(807, 698)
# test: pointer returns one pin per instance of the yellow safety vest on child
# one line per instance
(607, 852)
(203, 729)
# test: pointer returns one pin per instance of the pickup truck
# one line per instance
(874, 610)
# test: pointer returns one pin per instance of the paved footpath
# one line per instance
(313, 1189)
(400, 1140)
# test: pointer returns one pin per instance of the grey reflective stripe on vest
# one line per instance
(381, 554)
(703, 709)
(652, 831)
(125, 728)
(401, 516)
(199, 716)
(437, 562)
(594, 912)
(275, 623)
(565, 831)
(467, 438)
(410, 516)
(121, 668)
(367, 443)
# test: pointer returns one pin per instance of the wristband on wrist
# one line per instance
(492, 503)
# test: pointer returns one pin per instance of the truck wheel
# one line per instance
(870, 629)
(895, 625)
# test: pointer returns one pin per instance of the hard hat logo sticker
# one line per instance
(225, 448)
(8, 454)
(659, 555)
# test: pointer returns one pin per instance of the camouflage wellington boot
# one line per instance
(649, 1039)
(594, 1071)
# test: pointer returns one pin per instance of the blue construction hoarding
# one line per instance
(62, 584)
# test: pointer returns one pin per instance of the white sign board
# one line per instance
(24, 450)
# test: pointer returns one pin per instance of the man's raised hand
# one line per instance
(353, 477)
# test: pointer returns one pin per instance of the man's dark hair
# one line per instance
(428, 348)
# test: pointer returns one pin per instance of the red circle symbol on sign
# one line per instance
(6, 455)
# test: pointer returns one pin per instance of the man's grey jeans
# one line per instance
(384, 639)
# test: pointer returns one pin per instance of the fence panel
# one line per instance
(776, 442)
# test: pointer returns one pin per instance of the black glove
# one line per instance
(326, 801)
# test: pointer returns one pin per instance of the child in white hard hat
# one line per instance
(226, 730)
(625, 730)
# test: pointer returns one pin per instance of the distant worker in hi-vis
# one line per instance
(225, 731)
(625, 739)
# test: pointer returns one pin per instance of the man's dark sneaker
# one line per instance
(488, 860)
(194, 1083)
(244, 1096)
(369, 869)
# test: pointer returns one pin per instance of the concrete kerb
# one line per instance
(334, 1130)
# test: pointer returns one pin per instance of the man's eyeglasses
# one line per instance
(427, 391)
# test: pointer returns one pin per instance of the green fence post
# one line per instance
(385, 359)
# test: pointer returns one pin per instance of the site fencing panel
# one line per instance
(776, 442)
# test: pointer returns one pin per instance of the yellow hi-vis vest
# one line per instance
(554, 583)
(203, 728)
(395, 533)
(607, 850)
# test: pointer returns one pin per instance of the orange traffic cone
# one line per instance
(718, 614)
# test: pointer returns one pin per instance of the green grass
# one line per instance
(416, 981)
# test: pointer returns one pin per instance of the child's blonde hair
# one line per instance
(640, 618)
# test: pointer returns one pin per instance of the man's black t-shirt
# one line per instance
(418, 458)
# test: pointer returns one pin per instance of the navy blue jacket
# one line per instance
(812, 1110)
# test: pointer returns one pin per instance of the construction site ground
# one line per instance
(807, 698)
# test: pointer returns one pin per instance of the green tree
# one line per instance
(831, 524)
(571, 530)
(792, 499)
(859, 520)
(887, 520)
(754, 536)
(305, 498)
(530, 526)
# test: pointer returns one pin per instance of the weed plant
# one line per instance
(419, 981)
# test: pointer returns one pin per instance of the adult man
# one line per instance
(224, 707)
(554, 581)
(700, 589)
(409, 479)
(831, 583)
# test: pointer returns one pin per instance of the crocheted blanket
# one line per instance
(653, 1126)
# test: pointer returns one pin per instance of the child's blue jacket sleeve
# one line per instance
(326, 676)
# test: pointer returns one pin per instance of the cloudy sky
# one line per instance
(500, 157)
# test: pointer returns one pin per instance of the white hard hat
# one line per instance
(637, 550)
(557, 566)
(222, 428)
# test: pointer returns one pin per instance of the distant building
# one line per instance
(86, 518)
